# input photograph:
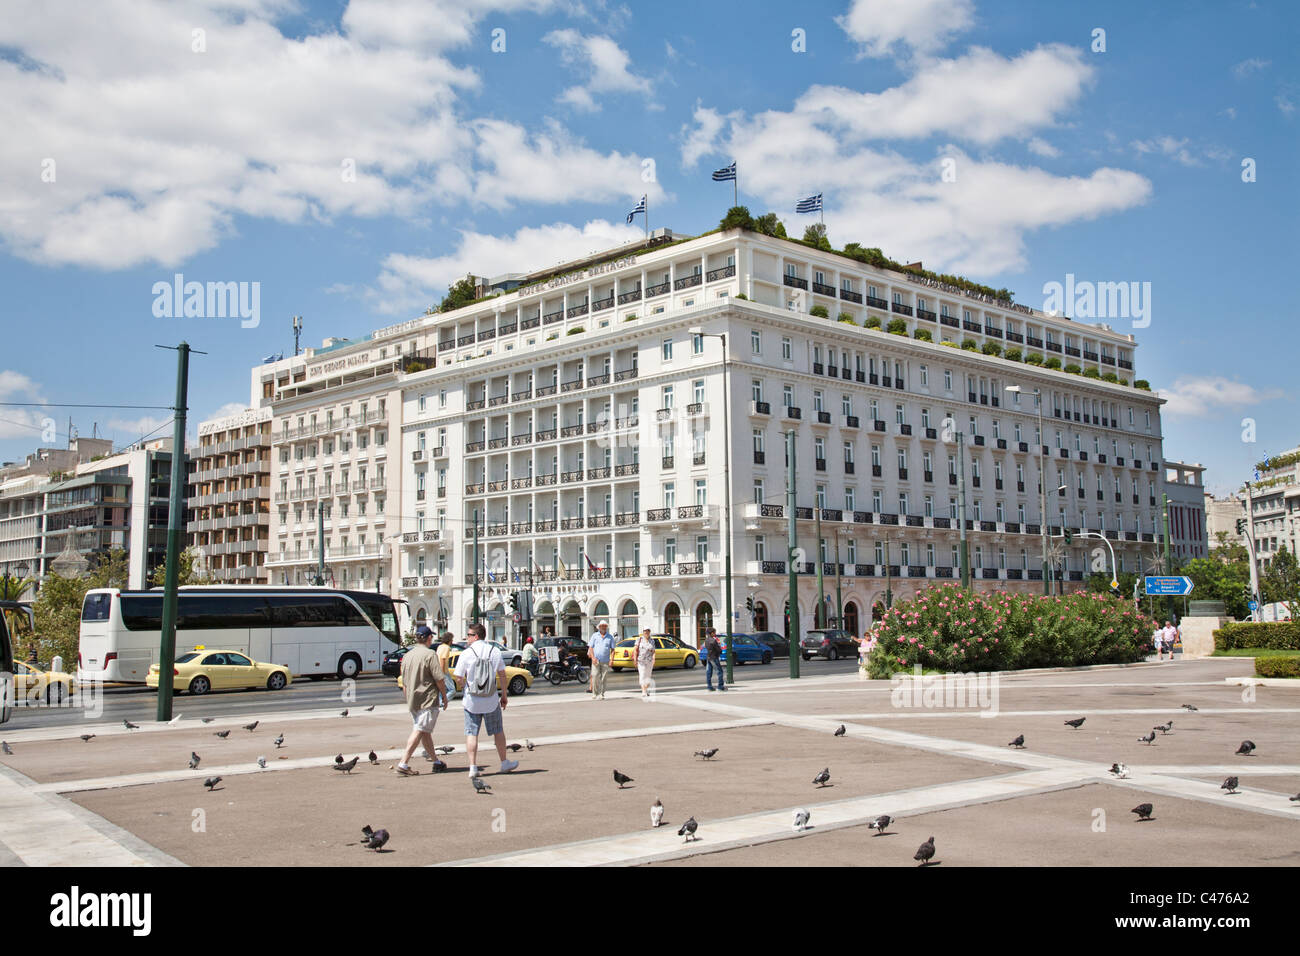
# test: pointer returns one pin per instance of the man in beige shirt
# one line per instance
(426, 692)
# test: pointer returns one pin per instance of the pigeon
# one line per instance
(223, 734)
(1018, 743)
(656, 813)
(347, 767)
(278, 741)
(688, 830)
(370, 708)
(194, 760)
(175, 719)
(841, 730)
(1076, 723)
(1295, 799)
(1189, 707)
(261, 762)
(621, 778)
(801, 818)
(706, 754)
(211, 782)
(1246, 747)
(880, 823)
(480, 785)
(374, 758)
(338, 758)
(1230, 785)
(252, 727)
(529, 744)
(444, 749)
(925, 852)
(130, 726)
(1119, 770)
(207, 720)
(344, 713)
(823, 778)
(1148, 738)
(375, 839)
(87, 738)
(7, 749)
(514, 748)
(1143, 810)
(1163, 728)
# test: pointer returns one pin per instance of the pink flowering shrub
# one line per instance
(952, 629)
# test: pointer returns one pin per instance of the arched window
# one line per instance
(673, 621)
(851, 618)
(760, 616)
(703, 621)
(628, 620)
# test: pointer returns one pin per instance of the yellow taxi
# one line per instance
(33, 684)
(518, 680)
(204, 669)
(669, 652)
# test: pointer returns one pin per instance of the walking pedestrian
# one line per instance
(1170, 635)
(645, 661)
(1158, 639)
(426, 695)
(481, 674)
(601, 647)
(713, 660)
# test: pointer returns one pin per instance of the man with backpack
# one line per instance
(481, 674)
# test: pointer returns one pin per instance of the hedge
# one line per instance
(1277, 667)
(949, 628)
(1273, 635)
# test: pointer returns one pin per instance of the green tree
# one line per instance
(12, 589)
(769, 225)
(461, 293)
(1223, 578)
(815, 235)
(737, 217)
(188, 573)
(58, 605)
(1281, 582)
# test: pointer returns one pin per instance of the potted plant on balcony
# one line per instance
(896, 327)
(923, 335)
(970, 345)
(1034, 358)
(1014, 355)
(873, 322)
(819, 311)
(1052, 362)
(991, 348)
(846, 318)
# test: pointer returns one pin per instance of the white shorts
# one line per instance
(425, 720)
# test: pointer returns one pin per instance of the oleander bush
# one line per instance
(845, 317)
(950, 628)
(1074, 369)
(1272, 635)
(1277, 667)
(1142, 384)
(1110, 377)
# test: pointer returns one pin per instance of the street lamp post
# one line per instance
(1042, 485)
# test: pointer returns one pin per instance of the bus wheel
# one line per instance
(200, 685)
(275, 681)
(349, 666)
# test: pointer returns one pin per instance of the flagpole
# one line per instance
(647, 217)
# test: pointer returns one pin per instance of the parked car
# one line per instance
(828, 643)
(392, 665)
(669, 652)
(776, 643)
(748, 650)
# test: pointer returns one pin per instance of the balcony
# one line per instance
(473, 446)
(876, 303)
(628, 470)
(524, 439)
(793, 411)
(1014, 337)
(599, 521)
(848, 295)
(474, 406)
(900, 308)
(771, 511)
(600, 305)
(571, 386)
(993, 330)
(595, 380)
(970, 326)
(653, 290)
(862, 517)
(474, 488)
(500, 442)
(628, 571)
(626, 519)
(949, 320)
(625, 297)
(624, 374)
(576, 311)
(658, 570)
(598, 474)
(925, 314)
(794, 282)
(567, 477)
(668, 461)
(1033, 342)
(659, 514)
(466, 340)
(1053, 346)
(688, 282)
(690, 511)
(821, 288)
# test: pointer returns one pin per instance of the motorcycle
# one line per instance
(557, 674)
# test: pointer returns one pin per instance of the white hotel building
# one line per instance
(582, 420)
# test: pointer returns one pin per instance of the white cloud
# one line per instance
(1196, 397)
(701, 140)
(1175, 149)
(602, 61)
(16, 422)
(225, 411)
(411, 283)
(128, 431)
(1246, 67)
(1285, 104)
(1041, 147)
(883, 27)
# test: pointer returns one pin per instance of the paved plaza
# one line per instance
(128, 797)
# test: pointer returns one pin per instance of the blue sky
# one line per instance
(223, 155)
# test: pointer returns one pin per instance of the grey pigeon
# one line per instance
(223, 734)
(1295, 799)
(261, 762)
(87, 738)
(347, 767)
(925, 852)
(1076, 723)
(278, 741)
(480, 785)
(823, 778)
(514, 748)
(1143, 810)
(841, 730)
(370, 708)
(345, 712)
(251, 727)
(1018, 743)
(7, 749)
(1119, 770)
(374, 758)
(1247, 746)
(1230, 785)
(194, 760)
(375, 839)
(1189, 707)
(207, 720)
(1148, 738)
(211, 782)
(444, 749)
(706, 754)
(688, 830)
(621, 778)
(1163, 728)
(656, 813)
(529, 744)
(338, 758)
(880, 823)
(130, 726)
(801, 818)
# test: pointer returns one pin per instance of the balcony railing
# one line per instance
(687, 282)
(848, 295)
(821, 288)
(625, 297)
(658, 514)
(900, 308)
(653, 290)
(795, 282)
(726, 272)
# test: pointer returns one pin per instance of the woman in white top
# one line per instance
(645, 660)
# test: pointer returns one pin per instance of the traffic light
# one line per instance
(1241, 526)
(514, 603)
(749, 605)
(1068, 536)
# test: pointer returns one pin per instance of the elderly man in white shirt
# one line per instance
(601, 646)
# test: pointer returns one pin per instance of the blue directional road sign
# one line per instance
(1168, 586)
(1254, 605)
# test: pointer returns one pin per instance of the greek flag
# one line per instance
(725, 174)
(811, 204)
(640, 207)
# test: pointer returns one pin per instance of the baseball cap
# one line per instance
(423, 631)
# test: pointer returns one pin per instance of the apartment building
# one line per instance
(1185, 487)
(229, 497)
(580, 423)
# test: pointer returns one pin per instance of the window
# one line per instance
(668, 350)
(787, 349)
(701, 491)
(423, 399)
(850, 500)
(670, 495)
(846, 405)
(756, 390)
(697, 340)
(758, 491)
(929, 506)
(925, 376)
(947, 380)
(898, 415)
(817, 401)
(758, 441)
(667, 396)
(848, 452)
(755, 342)
(698, 388)
(787, 395)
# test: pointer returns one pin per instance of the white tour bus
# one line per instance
(315, 632)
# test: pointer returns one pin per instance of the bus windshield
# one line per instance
(382, 614)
